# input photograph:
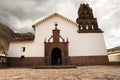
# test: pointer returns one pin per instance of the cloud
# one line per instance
(68, 9)
(16, 14)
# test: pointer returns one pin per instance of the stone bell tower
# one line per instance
(86, 21)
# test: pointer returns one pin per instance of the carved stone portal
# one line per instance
(56, 51)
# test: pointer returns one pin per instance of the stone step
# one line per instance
(55, 67)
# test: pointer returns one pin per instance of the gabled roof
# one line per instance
(23, 37)
(55, 14)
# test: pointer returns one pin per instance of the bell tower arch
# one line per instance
(86, 21)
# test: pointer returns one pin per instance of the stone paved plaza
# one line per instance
(80, 73)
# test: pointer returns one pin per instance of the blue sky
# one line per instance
(19, 15)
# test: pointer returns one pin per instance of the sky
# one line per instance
(19, 15)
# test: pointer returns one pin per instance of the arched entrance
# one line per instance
(56, 58)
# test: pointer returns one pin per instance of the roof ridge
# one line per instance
(41, 21)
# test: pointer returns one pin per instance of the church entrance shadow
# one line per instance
(56, 58)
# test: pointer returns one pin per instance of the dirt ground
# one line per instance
(97, 72)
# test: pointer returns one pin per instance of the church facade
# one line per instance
(60, 41)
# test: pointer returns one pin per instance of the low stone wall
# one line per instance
(73, 60)
(26, 62)
(3, 65)
(115, 63)
(89, 60)
(3, 61)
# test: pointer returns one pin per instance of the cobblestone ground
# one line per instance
(80, 73)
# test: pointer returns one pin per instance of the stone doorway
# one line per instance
(56, 58)
(56, 49)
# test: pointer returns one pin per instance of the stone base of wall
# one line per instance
(3, 61)
(73, 60)
(89, 60)
(3, 65)
(26, 62)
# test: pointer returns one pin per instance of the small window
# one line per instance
(23, 49)
(56, 24)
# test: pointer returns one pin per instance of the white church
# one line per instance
(60, 41)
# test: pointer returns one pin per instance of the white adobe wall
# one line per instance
(87, 44)
(114, 57)
(82, 44)
(15, 49)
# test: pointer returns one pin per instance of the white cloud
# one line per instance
(68, 10)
